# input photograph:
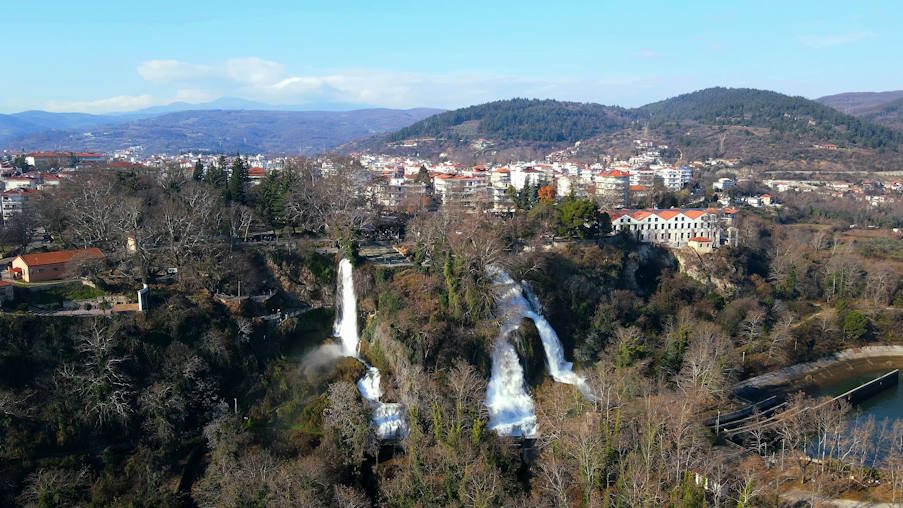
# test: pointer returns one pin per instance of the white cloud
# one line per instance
(821, 41)
(268, 81)
(253, 70)
(172, 71)
(109, 105)
(249, 70)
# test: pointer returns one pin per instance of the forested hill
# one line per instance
(521, 120)
(778, 112)
(889, 114)
(752, 124)
(883, 108)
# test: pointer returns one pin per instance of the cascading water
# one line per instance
(388, 418)
(510, 406)
(345, 326)
(560, 369)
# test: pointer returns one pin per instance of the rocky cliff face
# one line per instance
(709, 269)
(299, 280)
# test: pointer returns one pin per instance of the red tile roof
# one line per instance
(61, 256)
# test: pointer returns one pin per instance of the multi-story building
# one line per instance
(612, 188)
(465, 192)
(642, 176)
(723, 184)
(522, 177)
(673, 178)
(401, 192)
(675, 227)
(20, 182)
(499, 181)
(12, 202)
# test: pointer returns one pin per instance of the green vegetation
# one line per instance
(882, 248)
(523, 120)
(775, 111)
(55, 294)
(249, 402)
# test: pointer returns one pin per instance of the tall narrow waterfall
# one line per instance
(511, 410)
(388, 418)
(510, 407)
(345, 326)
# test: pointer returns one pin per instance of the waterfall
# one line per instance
(388, 418)
(345, 326)
(510, 407)
(560, 369)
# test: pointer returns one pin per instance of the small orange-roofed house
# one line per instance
(57, 265)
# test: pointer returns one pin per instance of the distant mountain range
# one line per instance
(757, 125)
(244, 130)
(885, 108)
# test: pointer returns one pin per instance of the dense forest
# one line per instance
(211, 400)
(779, 112)
(522, 120)
(753, 124)
(890, 114)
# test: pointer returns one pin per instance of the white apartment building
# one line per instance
(12, 202)
(462, 191)
(612, 188)
(20, 182)
(520, 177)
(675, 227)
(499, 181)
(723, 184)
(642, 176)
(673, 178)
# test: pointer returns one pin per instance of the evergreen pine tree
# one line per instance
(216, 174)
(237, 180)
(198, 171)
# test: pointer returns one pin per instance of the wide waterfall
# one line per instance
(388, 418)
(510, 406)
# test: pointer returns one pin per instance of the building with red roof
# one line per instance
(675, 227)
(256, 175)
(57, 265)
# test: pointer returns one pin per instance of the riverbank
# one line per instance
(850, 361)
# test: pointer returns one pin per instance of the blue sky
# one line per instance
(102, 56)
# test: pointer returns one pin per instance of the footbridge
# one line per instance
(770, 412)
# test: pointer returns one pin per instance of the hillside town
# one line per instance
(703, 197)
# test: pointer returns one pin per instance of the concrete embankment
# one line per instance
(868, 358)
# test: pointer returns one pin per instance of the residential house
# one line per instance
(723, 184)
(57, 265)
